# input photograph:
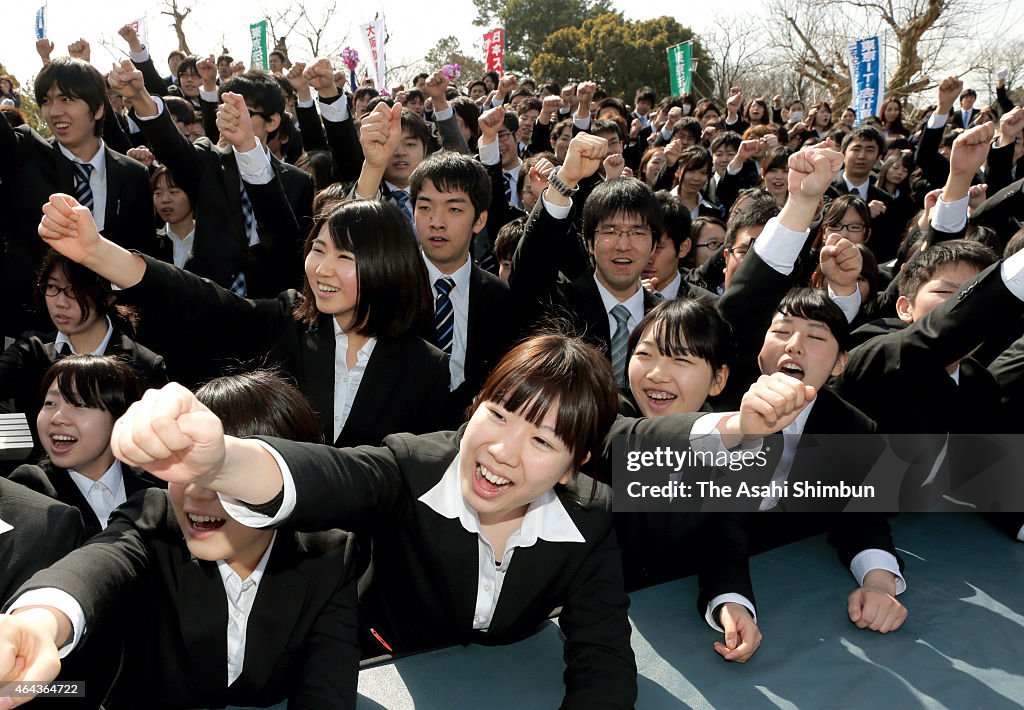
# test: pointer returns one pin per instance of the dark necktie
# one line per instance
(508, 188)
(855, 191)
(402, 202)
(444, 314)
(83, 191)
(249, 216)
(620, 339)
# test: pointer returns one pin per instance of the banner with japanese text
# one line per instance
(373, 33)
(41, 23)
(867, 76)
(680, 67)
(141, 30)
(260, 51)
(494, 50)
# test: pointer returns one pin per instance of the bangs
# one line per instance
(94, 381)
(687, 328)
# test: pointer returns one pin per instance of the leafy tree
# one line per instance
(528, 23)
(618, 54)
(449, 51)
(29, 108)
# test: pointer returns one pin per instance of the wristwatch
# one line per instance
(560, 187)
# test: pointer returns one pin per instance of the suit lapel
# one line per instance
(532, 569)
(275, 611)
(68, 492)
(460, 563)
(65, 173)
(477, 314)
(375, 389)
(591, 308)
(204, 622)
(318, 367)
(114, 184)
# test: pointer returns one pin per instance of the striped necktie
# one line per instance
(83, 191)
(444, 314)
(619, 340)
(402, 200)
(250, 218)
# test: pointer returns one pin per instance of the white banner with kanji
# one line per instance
(373, 33)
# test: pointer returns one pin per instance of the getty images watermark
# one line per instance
(818, 473)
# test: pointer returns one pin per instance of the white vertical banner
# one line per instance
(373, 34)
(867, 76)
(141, 29)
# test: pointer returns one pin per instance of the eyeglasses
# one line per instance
(712, 244)
(52, 290)
(611, 234)
(504, 135)
(852, 228)
(739, 253)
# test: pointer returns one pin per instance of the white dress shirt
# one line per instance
(182, 246)
(63, 339)
(459, 297)
(104, 494)
(241, 595)
(634, 304)
(346, 381)
(97, 182)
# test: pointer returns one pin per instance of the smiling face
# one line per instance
(693, 180)
(620, 259)
(332, 276)
(71, 122)
(777, 183)
(407, 156)
(211, 534)
(892, 112)
(506, 462)
(801, 348)
(670, 384)
(75, 437)
(445, 225)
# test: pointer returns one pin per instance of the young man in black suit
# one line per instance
(861, 149)
(252, 211)
(620, 219)
(451, 194)
(76, 161)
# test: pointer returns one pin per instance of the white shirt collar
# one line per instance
(546, 518)
(671, 290)
(62, 337)
(98, 161)
(461, 275)
(634, 304)
(226, 573)
(364, 352)
(862, 189)
(113, 479)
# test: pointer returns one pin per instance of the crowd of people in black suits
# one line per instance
(316, 375)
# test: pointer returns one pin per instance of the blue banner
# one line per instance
(41, 22)
(867, 76)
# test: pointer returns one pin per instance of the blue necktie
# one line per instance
(250, 218)
(83, 191)
(444, 314)
(402, 198)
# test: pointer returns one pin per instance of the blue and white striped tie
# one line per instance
(620, 338)
(444, 314)
(83, 191)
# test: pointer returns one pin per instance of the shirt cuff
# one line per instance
(254, 166)
(709, 613)
(212, 97)
(444, 115)
(308, 103)
(336, 111)
(139, 57)
(704, 435)
(58, 599)
(1012, 271)
(867, 560)
(936, 120)
(133, 127)
(950, 216)
(159, 110)
(250, 518)
(850, 305)
(556, 211)
(490, 153)
(666, 133)
(582, 123)
(728, 169)
(779, 247)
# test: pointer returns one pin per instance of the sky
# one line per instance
(414, 26)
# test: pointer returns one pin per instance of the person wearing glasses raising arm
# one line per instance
(620, 218)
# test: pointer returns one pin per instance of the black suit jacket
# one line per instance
(44, 531)
(55, 482)
(301, 637)
(282, 208)
(378, 490)
(31, 170)
(538, 293)
(404, 387)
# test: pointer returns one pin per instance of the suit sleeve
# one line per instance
(329, 675)
(725, 565)
(174, 150)
(934, 167)
(600, 668)
(311, 128)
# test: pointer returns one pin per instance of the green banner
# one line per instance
(680, 67)
(260, 53)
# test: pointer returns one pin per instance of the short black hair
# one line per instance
(814, 304)
(394, 289)
(678, 222)
(90, 291)
(688, 327)
(76, 79)
(259, 88)
(261, 403)
(623, 195)
(419, 129)
(414, 94)
(776, 158)
(606, 125)
(688, 124)
(968, 92)
(188, 64)
(450, 171)
(920, 269)
(363, 91)
(103, 382)
(752, 213)
(180, 109)
(511, 122)
(865, 133)
(509, 236)
(726, 139)
(646, 93)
